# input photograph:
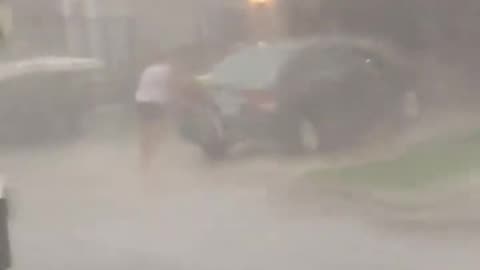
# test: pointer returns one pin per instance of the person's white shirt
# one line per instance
(153, 85)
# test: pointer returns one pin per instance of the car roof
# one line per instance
(255, 66)
(330, 62)
(13, 69)
(259, 66)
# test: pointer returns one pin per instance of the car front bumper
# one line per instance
(245, 123)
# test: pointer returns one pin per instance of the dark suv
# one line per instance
(5, 260)
(308, 95)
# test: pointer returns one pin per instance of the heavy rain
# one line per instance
(239, 134)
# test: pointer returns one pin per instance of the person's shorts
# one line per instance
(150, 112)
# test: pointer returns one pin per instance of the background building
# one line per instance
(5, 20)
(128, 34)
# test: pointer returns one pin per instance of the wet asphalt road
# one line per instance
(87, 207)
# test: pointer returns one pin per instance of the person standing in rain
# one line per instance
(152, 98)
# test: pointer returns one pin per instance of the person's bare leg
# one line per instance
(153, 134)
(147, 146)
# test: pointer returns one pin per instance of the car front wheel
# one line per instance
(298, 134)
(213, 140)
(204, 127)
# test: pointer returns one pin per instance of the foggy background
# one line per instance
(439, 35)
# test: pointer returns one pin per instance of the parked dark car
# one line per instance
(46, 98)
(309, 95)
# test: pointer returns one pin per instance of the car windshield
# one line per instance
(254, 68)
(332, 62)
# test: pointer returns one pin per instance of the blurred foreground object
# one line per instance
(5, 258)
(46, 98)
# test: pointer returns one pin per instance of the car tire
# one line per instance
(215, 150)
(213, 142)
(298, 133)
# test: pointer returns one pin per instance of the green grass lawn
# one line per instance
(425, 164)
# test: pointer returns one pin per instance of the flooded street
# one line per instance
(342, 78)
(87, 207)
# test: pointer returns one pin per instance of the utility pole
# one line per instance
(5, 256)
